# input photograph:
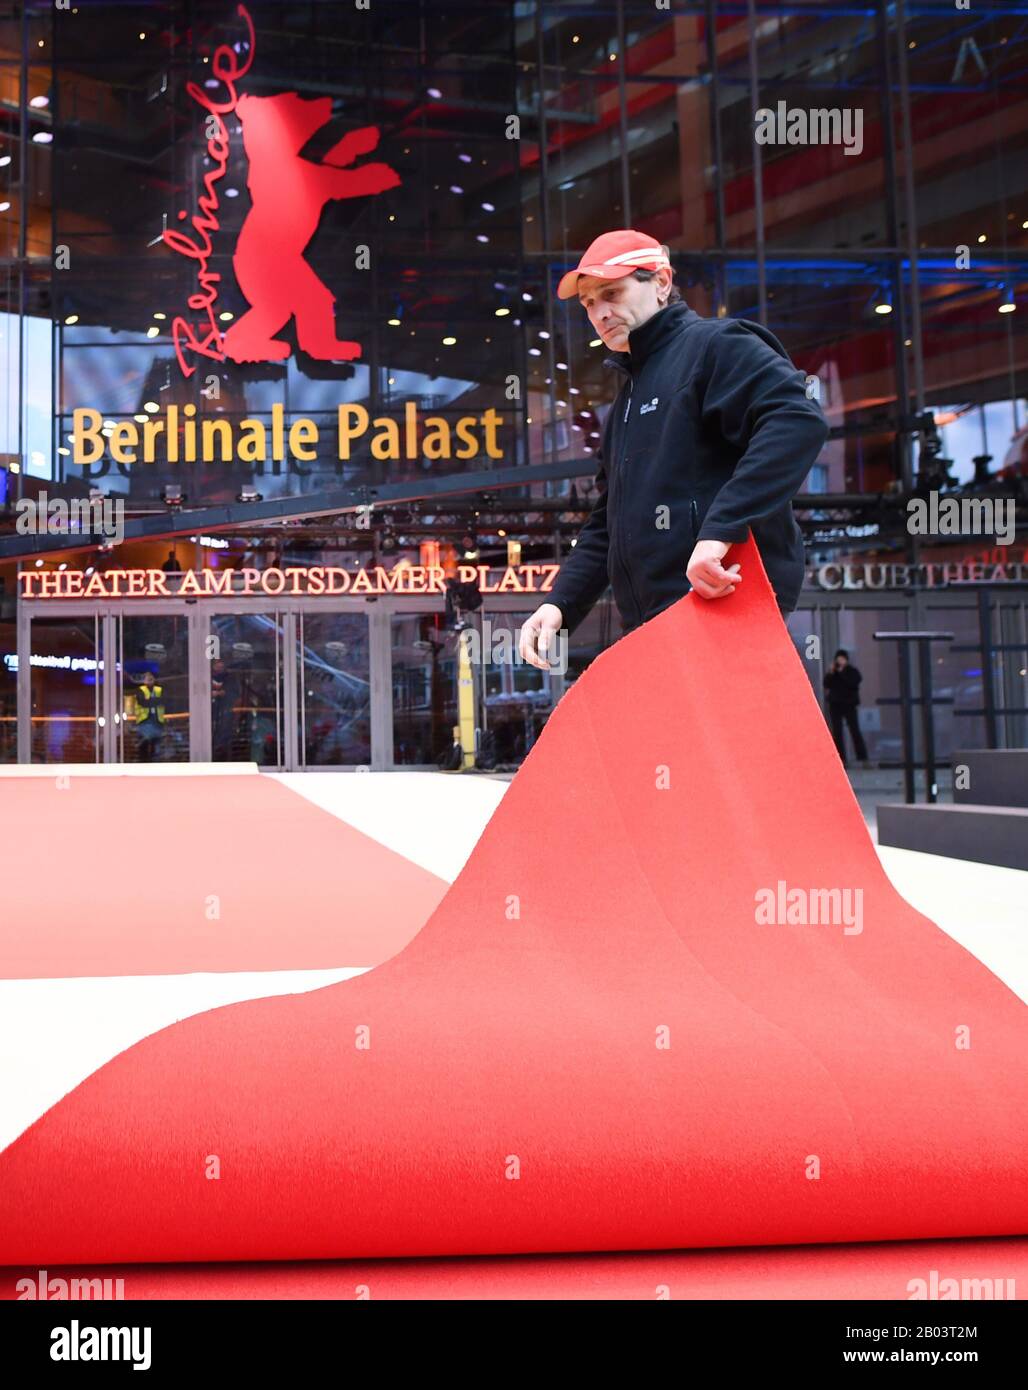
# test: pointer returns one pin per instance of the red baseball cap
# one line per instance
(613, 255)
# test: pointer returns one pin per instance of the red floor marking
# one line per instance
(498, 1086)
(120, 873)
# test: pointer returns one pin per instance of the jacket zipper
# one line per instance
(624, 568)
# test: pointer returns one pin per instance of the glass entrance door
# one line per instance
(152, 716)
(246, 685)
(8, 690)
(333, 658)
(424, 687)
(65, 682)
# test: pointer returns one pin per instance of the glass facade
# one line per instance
(191, 256)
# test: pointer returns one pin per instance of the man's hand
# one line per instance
(706, 573)
(538, 631)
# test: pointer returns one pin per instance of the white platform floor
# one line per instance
(55, 1032)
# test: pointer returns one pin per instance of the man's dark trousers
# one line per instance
(838, 714)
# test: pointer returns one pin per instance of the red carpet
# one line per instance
(170, 875)
(879, 1270)
(593, 1044)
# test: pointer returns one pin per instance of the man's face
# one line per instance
(841, 661)
(616, 307)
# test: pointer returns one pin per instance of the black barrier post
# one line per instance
(907, 701)
(907, 718)
(988, 685)
(928, 719)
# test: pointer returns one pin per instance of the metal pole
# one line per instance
(904, 446)
(23, 213)
(57, 469)
(924, 653)
(626, 193)
(907, 721)
(549, 450)
(524, 456)
(910, 209)
(758, 168)
(988, 682)
(720, 298)
(715, 129)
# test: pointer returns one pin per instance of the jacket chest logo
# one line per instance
(650, 405)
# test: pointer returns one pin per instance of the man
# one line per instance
(842, 686)
(711, 435)
(222, 703)
(150, 718)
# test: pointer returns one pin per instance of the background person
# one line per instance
(842, 688)
(150, 719)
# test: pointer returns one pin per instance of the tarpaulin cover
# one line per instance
(597, 1042)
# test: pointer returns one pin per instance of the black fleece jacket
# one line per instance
(711, 435)
(843, 687)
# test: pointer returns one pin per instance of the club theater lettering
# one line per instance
(181, 438)
(928, 575)
(308, 581)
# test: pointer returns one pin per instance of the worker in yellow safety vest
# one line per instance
(150, 719)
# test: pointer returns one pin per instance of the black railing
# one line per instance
(987, 648)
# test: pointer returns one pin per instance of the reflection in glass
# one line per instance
(876, 662)
(246, 696)
(1010, 627)
(803, 625)
(518, 697)
(600, 627)
(8, 694)
(424, 687)
(66, 665)
(957, 676)
(334, 663)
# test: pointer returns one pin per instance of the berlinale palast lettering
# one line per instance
(179, 437)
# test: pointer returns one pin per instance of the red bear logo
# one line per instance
(288, 194)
